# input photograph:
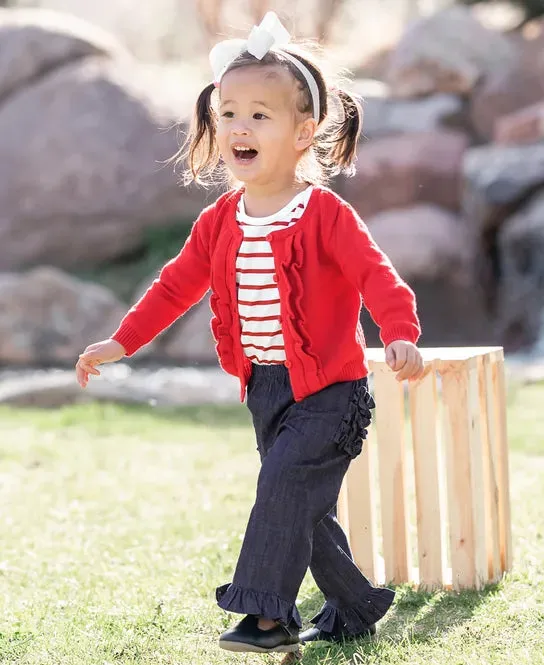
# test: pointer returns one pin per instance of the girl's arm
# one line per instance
(182, 282)
(390, 301)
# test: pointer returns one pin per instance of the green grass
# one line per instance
(117, 523)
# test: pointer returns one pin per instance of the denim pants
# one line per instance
(306, 448)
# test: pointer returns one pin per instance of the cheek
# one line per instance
(276, 138)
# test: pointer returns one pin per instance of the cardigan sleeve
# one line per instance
(390, 301)
(182, 282)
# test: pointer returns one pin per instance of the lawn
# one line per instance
(117, 523)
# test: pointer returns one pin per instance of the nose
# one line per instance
(239, 129)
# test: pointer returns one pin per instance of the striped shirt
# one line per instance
(258, 294)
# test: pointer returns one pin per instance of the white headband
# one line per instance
(269, 35)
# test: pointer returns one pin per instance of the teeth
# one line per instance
(242, 147)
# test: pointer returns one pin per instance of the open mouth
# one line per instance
(243, 154)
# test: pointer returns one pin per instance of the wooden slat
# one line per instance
(491, 480)
(392, 473)
(360, 502)
(465, 473)
(431, 530)
(501, 451)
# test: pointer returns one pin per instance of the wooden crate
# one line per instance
(457, 417)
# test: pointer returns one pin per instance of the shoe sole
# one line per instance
(241, 647)
(345, 640)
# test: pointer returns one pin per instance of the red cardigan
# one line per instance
(324, 264)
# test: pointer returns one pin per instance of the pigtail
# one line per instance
(345, 137)
(200, 152)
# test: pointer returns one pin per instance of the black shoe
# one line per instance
(316, 635)
(247, 636)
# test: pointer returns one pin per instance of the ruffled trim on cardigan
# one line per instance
(234, 598)
(356, 619)
(293, 301)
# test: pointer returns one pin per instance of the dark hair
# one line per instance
(333, 150)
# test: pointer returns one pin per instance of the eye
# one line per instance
(228, 114)
(260, 116)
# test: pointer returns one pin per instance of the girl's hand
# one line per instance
(107, 351)
(405, 359)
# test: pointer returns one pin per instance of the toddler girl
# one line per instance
(288, 263)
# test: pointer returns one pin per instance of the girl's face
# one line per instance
(260, 134)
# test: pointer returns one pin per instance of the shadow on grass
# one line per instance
(416, 616)
(13, 647)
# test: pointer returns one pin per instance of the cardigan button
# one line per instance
(288, 364)
(275, 279)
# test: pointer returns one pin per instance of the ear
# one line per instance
(304, 135)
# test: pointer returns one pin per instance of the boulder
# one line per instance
(450, 52)
(84, 171)
(521, 286)
(496, 179)
(525, 126)
(384, 117)
(48, 317)
(426, 242)
(36, 41)
(400, 171)
(509, 89)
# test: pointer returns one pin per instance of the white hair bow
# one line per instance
(269, 34)
(261, 39)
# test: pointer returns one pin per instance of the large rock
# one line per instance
(425, 242)
(509, 89)
(83, 162)
(521, 287)
(48, 317)
(449, 51)
(33, 42)
(525, 126)
(399, 171)
(498, 178)
(385, 116)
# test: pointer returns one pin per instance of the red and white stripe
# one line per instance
(258, 295)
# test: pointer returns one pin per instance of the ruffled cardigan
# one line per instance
(327, 264)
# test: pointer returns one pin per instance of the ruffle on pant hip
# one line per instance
(355, 619)
(354, 426)
(233, 598)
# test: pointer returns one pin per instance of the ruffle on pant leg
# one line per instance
(355, 619)
(233, 598)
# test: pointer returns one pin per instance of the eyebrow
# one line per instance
(231, 101)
